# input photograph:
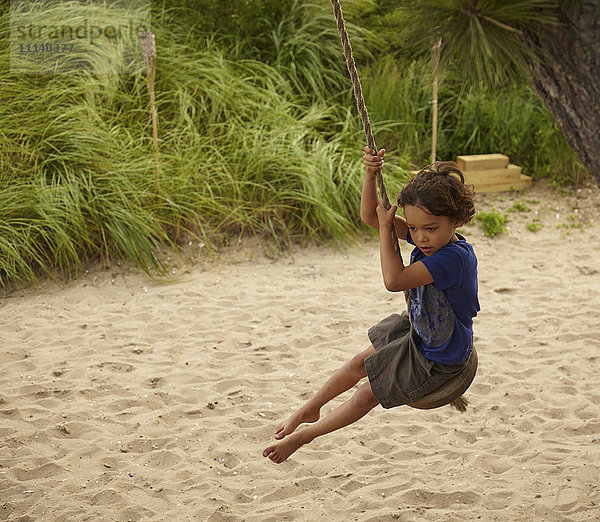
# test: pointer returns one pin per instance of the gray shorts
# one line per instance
(398, 371)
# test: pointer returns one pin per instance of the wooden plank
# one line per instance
(499, 186)
(512, 172)
(482, 162)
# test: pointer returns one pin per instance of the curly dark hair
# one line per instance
(440, 189)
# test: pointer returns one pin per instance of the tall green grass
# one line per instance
(305, 46)
(260, 139)
(240, 151)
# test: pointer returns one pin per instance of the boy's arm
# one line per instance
(369, 199)
(396, 276)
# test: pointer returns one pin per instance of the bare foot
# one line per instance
(281, 450)
(293, 421)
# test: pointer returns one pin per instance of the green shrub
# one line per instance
(493, 222)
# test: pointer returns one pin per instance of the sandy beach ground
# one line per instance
(123, 398)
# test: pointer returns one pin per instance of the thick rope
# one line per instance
(362, 109)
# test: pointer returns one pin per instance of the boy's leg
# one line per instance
(353, 409)
(343, 379)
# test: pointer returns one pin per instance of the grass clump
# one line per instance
(519, 206)
(534, 226)
(493, 222)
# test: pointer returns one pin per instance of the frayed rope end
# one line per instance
(460, 404)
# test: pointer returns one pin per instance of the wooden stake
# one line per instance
(149, 54)
(435, 61)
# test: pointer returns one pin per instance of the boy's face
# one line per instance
(430, 233)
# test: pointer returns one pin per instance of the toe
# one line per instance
(280, 432)
(267, 452)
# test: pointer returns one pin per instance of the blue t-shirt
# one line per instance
(442, 312)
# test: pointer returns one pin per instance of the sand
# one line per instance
(124, 398)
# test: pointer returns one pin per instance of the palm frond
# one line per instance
(481, 36)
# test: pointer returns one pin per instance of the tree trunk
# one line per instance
(567, 78)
